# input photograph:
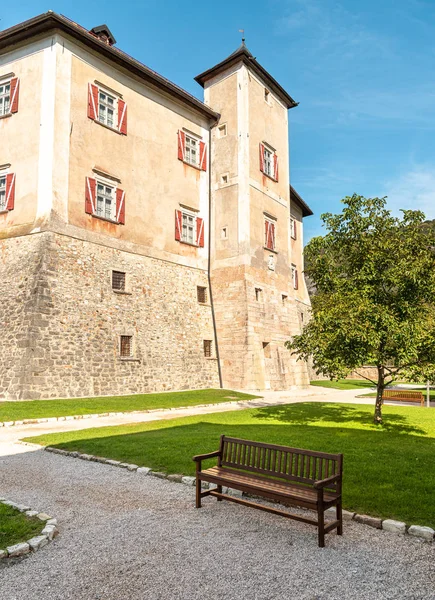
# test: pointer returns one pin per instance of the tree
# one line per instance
(374, 275)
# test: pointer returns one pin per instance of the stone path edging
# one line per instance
(117, 414)
(420, 532)
(48, 533)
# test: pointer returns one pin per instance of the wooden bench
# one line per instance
(404, 396)
(290, 476)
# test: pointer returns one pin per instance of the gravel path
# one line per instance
(127, 536)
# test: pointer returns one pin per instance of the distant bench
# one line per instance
(403, 396)
(300, 478)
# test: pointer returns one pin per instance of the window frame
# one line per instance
(271, 160)
(131, 347)
(188, 139)
(202, 289)
(3, 190)
(103, 183)
(208, 344)
(295, 276)
(4, 83)
(118, 290)
(189, 215)
(273, 222)
(102, 90)
(293, 232)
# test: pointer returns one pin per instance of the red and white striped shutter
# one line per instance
(15, 93)
(120, 206)
(272, 236)
(296, 279)
(275, 167)
(203, 156)
(90, 195)
(262, 158)
(122, 117)
(178, 221)
(181, 144)
(10, 191)
(92, 101)
(200, 232)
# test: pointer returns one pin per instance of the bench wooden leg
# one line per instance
(321, 526)
(219, 490)
(198, 493)
(339, 513)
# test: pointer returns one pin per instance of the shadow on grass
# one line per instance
(312, 412)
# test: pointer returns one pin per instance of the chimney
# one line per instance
(103, 33)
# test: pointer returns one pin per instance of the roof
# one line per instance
(294, 197)
(242, 53)
(52, 21)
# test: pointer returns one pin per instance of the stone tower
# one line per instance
(259, 295)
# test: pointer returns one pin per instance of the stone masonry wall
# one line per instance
(62, 322)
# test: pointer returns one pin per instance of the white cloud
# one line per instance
(413, 190)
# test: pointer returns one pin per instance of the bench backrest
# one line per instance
(403, 395)
(282, 462)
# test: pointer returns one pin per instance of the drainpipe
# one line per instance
(209, 262)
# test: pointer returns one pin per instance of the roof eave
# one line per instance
(295, 197)
(48, 21)
(247, 58)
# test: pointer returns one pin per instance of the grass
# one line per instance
(343, 384)
(389, 471)
(16, 527)
(41, 409)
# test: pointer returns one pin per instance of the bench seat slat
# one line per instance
(286, 490)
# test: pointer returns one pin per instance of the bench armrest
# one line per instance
(201, 457)
(325, 482)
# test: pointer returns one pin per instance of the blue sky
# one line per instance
(364, 74)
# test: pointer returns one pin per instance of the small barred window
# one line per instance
(126, 346)
(202, 294)
(118, 281)
(207, 348)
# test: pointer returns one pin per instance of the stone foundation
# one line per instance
(61, 321)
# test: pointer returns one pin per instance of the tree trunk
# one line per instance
(379, 393)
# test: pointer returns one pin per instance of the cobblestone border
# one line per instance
(48, 533)
(426, 534)
(118, 414)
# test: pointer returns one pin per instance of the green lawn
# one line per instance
(389, 471)
(16, 527)
(343, 384)
(40, 409)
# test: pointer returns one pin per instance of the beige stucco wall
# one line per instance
(20, 138)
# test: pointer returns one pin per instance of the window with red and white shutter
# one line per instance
(269, 162)
(269, 234)
(9, 96)
(104, 200)
(189, 228)
(7, 192)
(107, 109)
(192, 150)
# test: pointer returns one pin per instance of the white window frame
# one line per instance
(101, 182)
(292, 227)
(105, 120)
(3, 84)
(184, 234)
(3, 175)
(191, 142)
(269, 161)
(294, 271)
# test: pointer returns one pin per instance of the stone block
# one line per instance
(175, 477)
(43, 516)
(114, 463)
(143, 470)
(3, 554)
(370, 521)
(393, 526)
(50, 531)
(188, 480)
(51, 522)
(38, 542)
(18, 549)
(132, 467)
(235, 493)
(158, 474)
(31, 513)
(424, 533)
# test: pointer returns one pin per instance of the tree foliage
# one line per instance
(374, 275)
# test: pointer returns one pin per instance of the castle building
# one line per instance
(148, 241)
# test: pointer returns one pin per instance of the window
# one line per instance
(295, 277)
(106, 206)
(7, 191)
(258, 294)
(224, 233)
(2, 192)
(9, 92)
(126, 346)
(208, 348)
(222, 130)
(5, 98)
(268, 162)
(104, 200)
(107, 108)
(266, 95)
(266, 349)
(284, 298)
(293, 228)
(201, 294)
(192, 150)
(189, 228)
(118, 281)
(224, 178)
(269, 233)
